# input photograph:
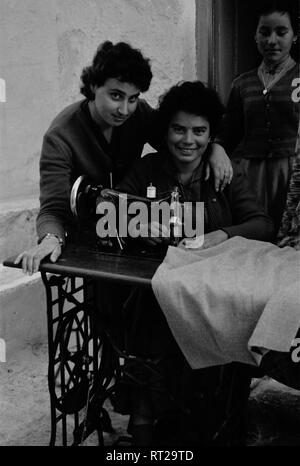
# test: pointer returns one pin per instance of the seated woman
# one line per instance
(188, 119)
(189, 116)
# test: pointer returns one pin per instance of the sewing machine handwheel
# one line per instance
(83, 198)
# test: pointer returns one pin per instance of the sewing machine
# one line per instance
(105, 211)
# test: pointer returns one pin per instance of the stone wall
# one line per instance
(45, 45)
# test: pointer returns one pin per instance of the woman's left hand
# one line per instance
(220, 164)
(214, 238)
(210, 240)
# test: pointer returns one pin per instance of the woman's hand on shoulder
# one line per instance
(220, 164)
(31, 258)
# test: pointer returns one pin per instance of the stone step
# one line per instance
(17, 226)
(22, 310)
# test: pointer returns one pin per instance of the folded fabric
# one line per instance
(231, 302)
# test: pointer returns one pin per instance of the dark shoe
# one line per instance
(281, 367)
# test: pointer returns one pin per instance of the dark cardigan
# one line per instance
(74, 146)
(258, 126)
(234, 210)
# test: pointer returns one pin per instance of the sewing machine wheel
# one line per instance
(83, 198)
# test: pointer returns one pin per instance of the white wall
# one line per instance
(45, 44)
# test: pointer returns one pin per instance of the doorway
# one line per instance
(233, 49)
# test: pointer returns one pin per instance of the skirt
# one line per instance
(269, 179)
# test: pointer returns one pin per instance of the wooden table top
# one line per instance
(86, 262)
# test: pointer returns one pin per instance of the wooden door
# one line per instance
(234, 48)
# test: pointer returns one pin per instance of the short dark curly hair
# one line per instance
(190, 97)
(119, 61)
(290, 7)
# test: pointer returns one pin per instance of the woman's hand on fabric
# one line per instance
(204, 242)
(220, 164)
(192, 243)
(31, 258)
(214, 238)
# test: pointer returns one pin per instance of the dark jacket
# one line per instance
(74, 146)
(234, 210)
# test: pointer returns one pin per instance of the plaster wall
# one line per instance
(45, 45)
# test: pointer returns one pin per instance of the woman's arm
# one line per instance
(220, 164)
(249, 218)
(55, 185)
(231, 134)
(232, 131)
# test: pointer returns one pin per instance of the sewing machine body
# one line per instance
(90, 203)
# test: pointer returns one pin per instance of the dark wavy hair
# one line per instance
(190, 97)
(291, 7)
(119, 61)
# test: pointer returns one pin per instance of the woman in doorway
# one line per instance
(261, 120)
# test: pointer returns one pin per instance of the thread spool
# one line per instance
(151, 191)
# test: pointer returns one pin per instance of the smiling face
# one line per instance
(115, 101)
(274, 37)
(187, 139)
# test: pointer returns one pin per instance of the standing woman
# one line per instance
(261, 120)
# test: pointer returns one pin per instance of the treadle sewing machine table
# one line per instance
(83, 364)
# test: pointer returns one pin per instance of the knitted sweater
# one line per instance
(261, 126)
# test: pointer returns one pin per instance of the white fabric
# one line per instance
(224, 302)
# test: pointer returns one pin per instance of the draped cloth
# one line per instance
(231, 302)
